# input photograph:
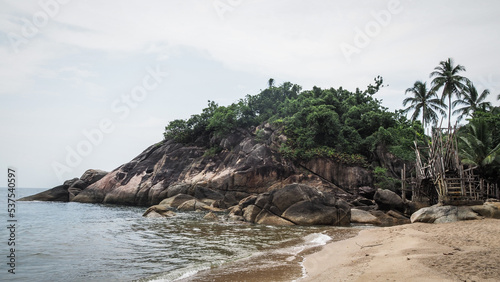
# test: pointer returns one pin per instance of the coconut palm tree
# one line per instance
(478, 149)
(446, 75)
(471, 100)
(424, 100)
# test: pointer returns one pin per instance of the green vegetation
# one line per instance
(479, 140)
(349, 126)
(424, 100)
(333, 123)
(480, 145)
(446, 75)
(383, 181)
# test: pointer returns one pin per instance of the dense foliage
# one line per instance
(334, 123)
(479, 144)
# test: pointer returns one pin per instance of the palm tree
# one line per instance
(471, 101)
(424, 100)
(270, 82)
(446, 76)
(478, 149)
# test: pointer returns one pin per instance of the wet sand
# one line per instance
(459, 251)
(281, 263)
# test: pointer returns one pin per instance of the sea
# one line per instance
(57, 241)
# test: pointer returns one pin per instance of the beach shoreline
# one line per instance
(458, 251)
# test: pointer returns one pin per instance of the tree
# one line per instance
(472, 101)
(446, 75)
(478, 149)
(424, 100)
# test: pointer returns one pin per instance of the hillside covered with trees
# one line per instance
(348, 126)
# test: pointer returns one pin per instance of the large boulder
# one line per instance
(444, 214)
(364, 217)
(92, 175)
(388, 200)
(158, 211)
(311, 213)
(294, 204)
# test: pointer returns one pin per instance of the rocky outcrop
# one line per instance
(248, 177)
(69, 189)
(244, 167)
(345, 176)
(170, 168)
(294, 204)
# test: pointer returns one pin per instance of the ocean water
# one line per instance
(95, 242)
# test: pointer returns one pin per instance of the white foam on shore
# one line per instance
(317, 239)
(313, 240)
(180, 274)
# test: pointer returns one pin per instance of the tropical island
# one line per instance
(288, 156)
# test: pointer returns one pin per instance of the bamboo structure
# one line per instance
(441, 177)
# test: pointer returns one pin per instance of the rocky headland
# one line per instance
(248, 178)
(250, 181)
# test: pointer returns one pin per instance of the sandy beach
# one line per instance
(459, 251)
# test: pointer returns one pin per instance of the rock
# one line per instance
(158, 211)
(195, 205)
(488, 209)
(250, 213)
(177, 189)
(388, 200)
(268, 218)
(309, 213)
(176, 200)
(210, 216)
(189, 205)
(56, 194)
(367, 192)
(364, 217)
(244, 167)
(232, 198)
(92, 175)
(435, 213)
(443, 214)
(206, 193)
(294, 203)
(390, 218)
(341, 175)
(70, 182)
(360, 201)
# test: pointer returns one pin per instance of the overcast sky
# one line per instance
(91, 84)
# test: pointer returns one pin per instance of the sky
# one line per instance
(91, 84)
